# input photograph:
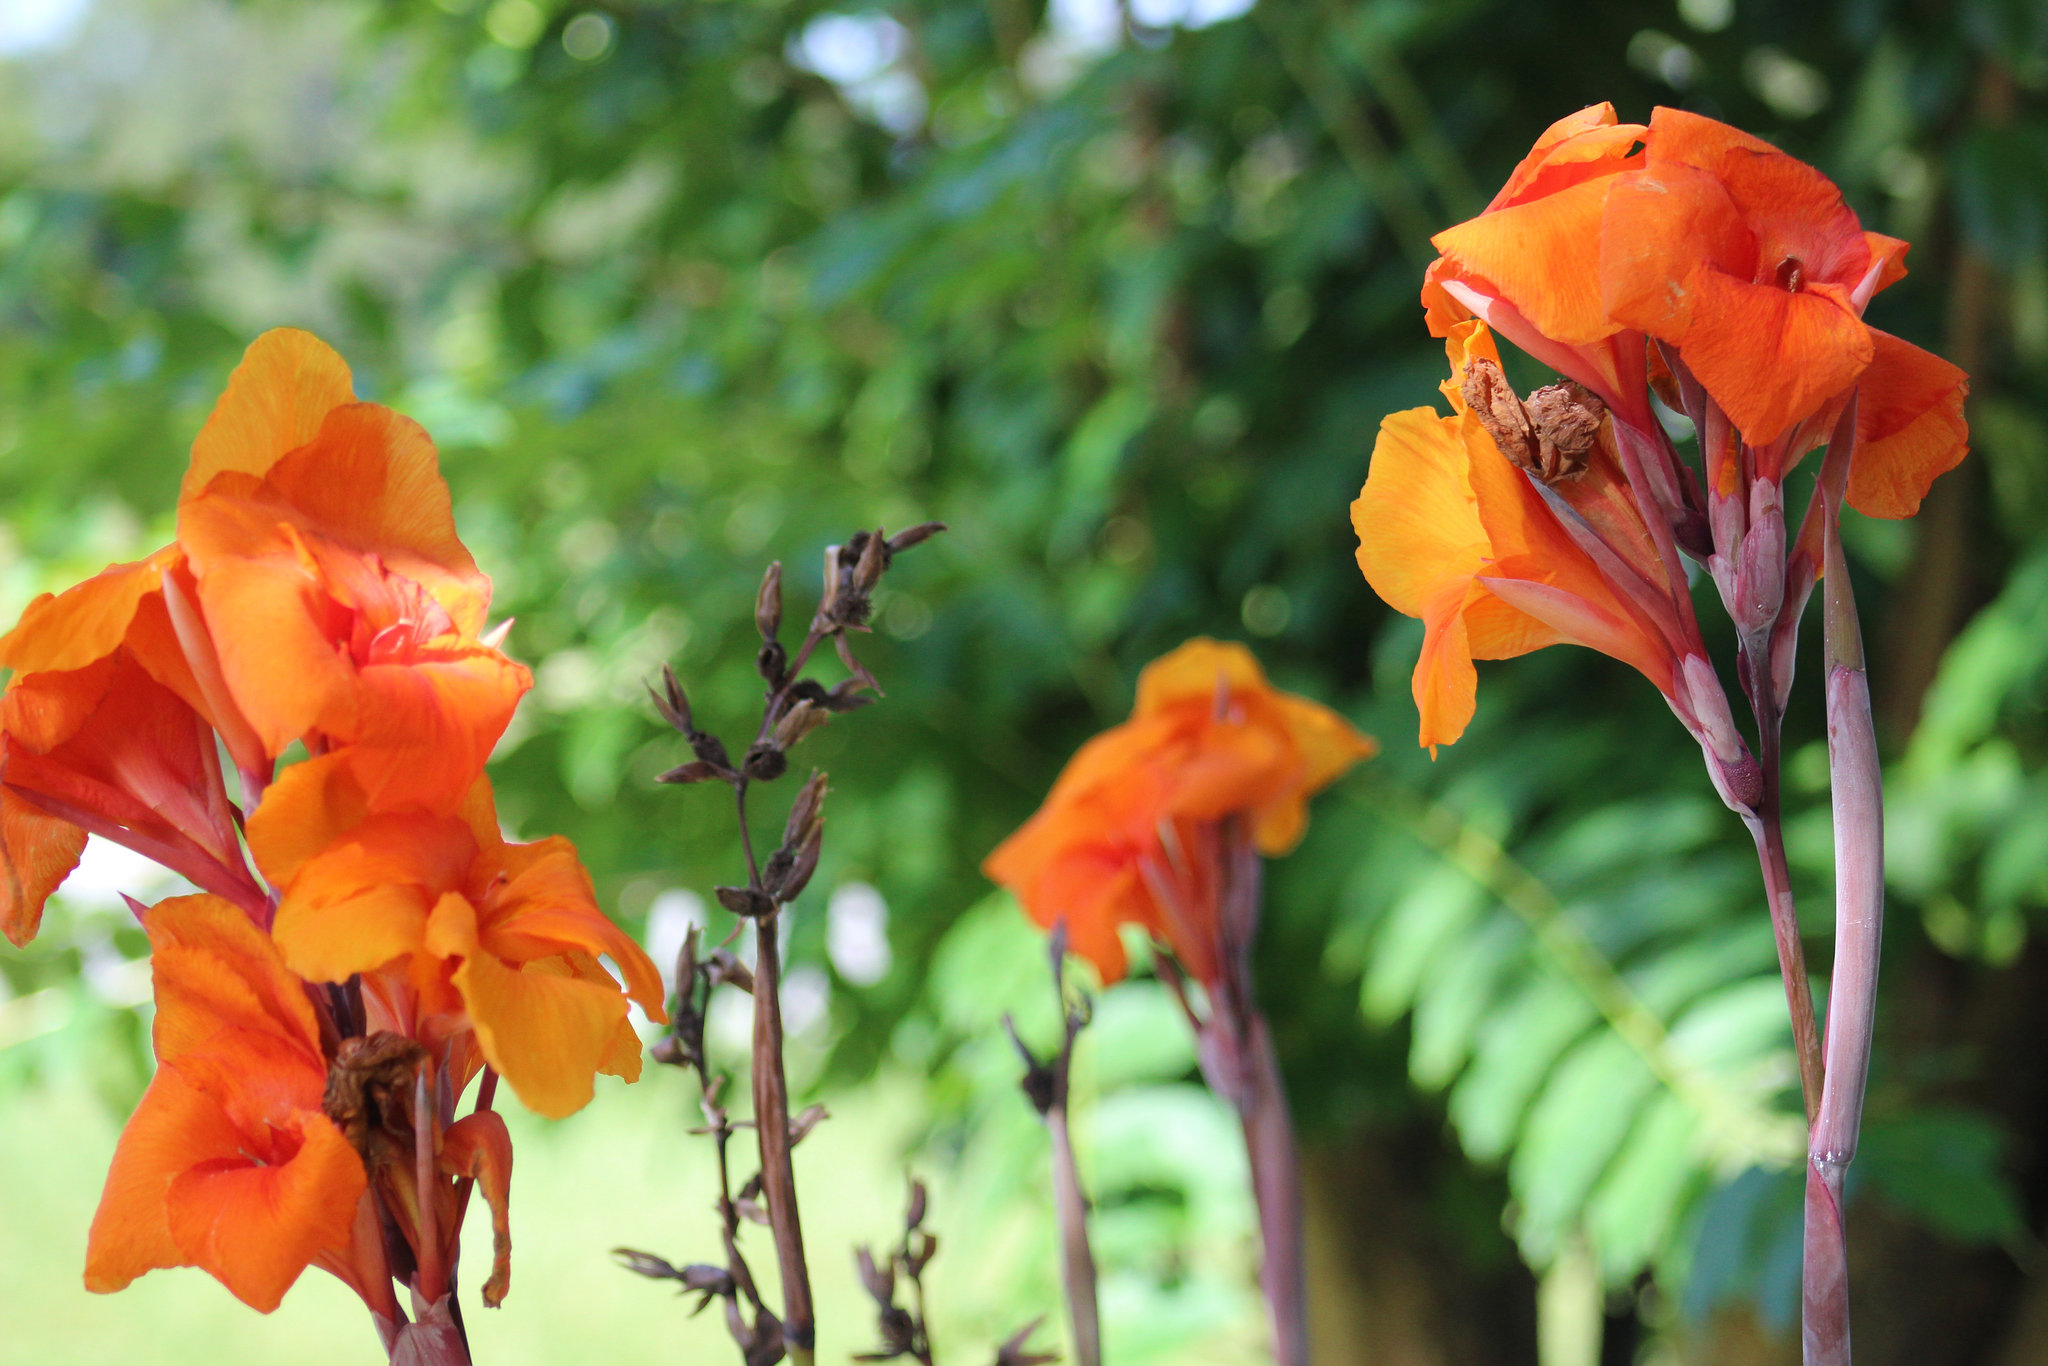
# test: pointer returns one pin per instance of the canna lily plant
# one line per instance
(1159, 823)
(321, 1016)
(1685, 264)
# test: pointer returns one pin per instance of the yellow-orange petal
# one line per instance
(1416, 520)
(87, 621)
(305, 812)
(255, 1225)
(287, 383)
(1910, 427)
(1543, 257)
(216, 971)
(366, 901)
(544, 1030)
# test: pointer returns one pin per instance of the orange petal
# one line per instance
(265, 607)
(1542, 256)
(373, 481)
(422, 731)
(275, 401)
(1910, 427)
(215, 971)
(255, 1223)
(37, 852)
(365, 901)
(545, 1031)
(86, 622)
(478, 1147)
(173, 1129)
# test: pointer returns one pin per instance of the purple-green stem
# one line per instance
(1077, 1259)
(1276, 1188)
(1858, 797)
(1240, 1048)
(771, 1128)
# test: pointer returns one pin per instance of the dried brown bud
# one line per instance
(745, 901)
(725, 968)
(752, 1211)
(646, 1264)
(805, 811)
(879, 1279)
(1040, 1083)
(1551, 436)
(811, 1118)
(790, 869)
(1567, 418)
(768, 603)
(765, 761)
(369, 1093)
(919, 1198)
(874, 558)
(916, 535)
(799, 721)
(772, 663)
(672, 702)
(695, 771)
(710, 749)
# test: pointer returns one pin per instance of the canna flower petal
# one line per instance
(1910, 427)
(1209, 739)
(1749, 262)
(543, 1028)
(478, 1148)
(276, 399)
(109, 749)
(229, 1163)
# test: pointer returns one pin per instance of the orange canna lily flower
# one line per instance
(454, 929)
(1450, 531)
(1129, 833)
(229, 1163)
(1743, 259)
(345, 609)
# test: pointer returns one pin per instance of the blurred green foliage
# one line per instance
(1119, 292)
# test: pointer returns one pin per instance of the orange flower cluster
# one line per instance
(1686, 260)
(318, 1017)
(1133, 833)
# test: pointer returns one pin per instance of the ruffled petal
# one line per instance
(545, 1031)
(174, 1128)
(85, 623)
(1543, 257)
(1910, 427)
(287, 383)
(256, 1224)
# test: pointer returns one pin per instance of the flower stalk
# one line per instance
(1858, 799)
(1045, 1085)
